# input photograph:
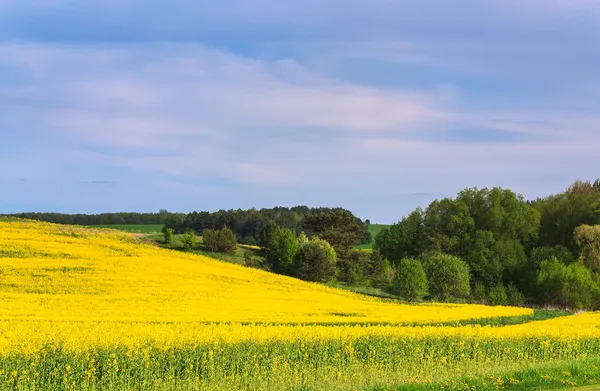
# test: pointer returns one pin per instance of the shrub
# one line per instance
(221, 241)
(497, 295)
(169, 235)
(315, 261)
(515, 297)
(189, 240)
(479, 293)
(282, 250)
(448, 276)
(570, 286)
(411, 281)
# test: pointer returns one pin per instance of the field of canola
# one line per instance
(94, 309)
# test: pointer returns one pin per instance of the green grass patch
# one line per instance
(133, 228)
(374, 229)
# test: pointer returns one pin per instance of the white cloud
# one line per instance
(190, 112)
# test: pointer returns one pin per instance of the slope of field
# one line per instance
(85, 309)
(52, 272)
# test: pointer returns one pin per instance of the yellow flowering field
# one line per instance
(52, 272)
(95, 310)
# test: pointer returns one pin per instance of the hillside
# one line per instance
(53, 272)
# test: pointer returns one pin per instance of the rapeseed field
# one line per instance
(88, 309)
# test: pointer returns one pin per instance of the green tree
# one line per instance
(479, 293)
(497, 295)
(448, 276)
(168, 234)
(315, 261)
(282, 251)
(588, 239)
(340, 228)
(515, 297)
(354, 268)
(571, 286)
(189, 240)
(381, 272)
(411, 281)
(403, 239)
(266, 234)
(219, 241)
(562, 213)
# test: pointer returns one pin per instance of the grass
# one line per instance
(576, 375)
(374, 229)
(133, 228)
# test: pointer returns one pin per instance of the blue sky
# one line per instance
(378, 106)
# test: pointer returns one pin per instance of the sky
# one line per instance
(378, 106)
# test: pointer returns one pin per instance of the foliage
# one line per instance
(282, 251)
(354, 268)
(381, 271)
(497, 295)
(515, 297)
(189, 240)
(570, 286)
(479, 293)
(340, 228)
(411, 281)
(315, 261)
(168, 235)
(219, 241)
(562, 213)
(588, 239)
(403, 239)
(448, 276)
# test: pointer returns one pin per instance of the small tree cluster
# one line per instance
(169, 235)
(311, 259)
(573, 286)
(189, 240)
(219, 241)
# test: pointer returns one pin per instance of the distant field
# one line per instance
(133, 228)
(374, 229)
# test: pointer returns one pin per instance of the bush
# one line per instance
(221, 241)
(354, 268)
(570, 286)
(169, 235)
(411, 281)
(381, 273)
(282, 250)
(515, 297)
(497, 295)
(479, 293)
(588, 239)
(448, 276)
(189, 240)
(251, 261)
(315, 261)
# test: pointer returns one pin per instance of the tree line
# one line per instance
(122, 218)
(249, 226)
(506, 250)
